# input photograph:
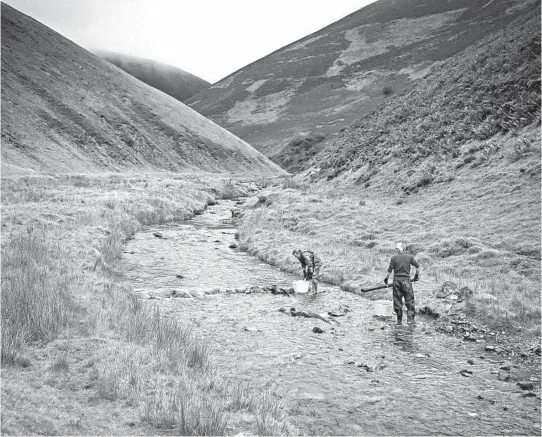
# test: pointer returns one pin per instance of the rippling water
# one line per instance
(363, 376)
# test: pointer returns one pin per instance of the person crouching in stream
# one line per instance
(310, 263)
(400, 265)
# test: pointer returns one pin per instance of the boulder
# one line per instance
(465, 293)
(504, 376)
(526, 385)
(447, 289)
(365, 366)
(181, 294)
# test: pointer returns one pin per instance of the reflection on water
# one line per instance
(362, 376)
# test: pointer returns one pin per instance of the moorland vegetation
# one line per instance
(81, 354)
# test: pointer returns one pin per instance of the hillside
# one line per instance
(171, 80)
(325, 81)
(64, 110)
(450, 120)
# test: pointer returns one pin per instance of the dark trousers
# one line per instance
(402, 288)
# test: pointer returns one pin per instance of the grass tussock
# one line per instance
(230, 190)
(37, 299)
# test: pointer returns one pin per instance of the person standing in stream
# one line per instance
(310, 263)
(400, 265)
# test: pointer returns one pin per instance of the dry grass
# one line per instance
(230, 190)
(481, 230)
(62, 240)
(37, 300)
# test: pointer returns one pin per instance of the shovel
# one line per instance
(365, 290)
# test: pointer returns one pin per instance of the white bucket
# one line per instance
(301, 287)
(383, 308)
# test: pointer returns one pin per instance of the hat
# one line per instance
(401, 246)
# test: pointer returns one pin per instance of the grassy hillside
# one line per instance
(64, 110)
(325, 81)
(450, 117)
(171, 80)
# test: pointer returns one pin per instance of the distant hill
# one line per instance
(323, 82)
(65, 110)
(171, 80)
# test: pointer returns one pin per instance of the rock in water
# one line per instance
(526, 385)
(504, 376)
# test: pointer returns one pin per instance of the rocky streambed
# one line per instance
(338, 369)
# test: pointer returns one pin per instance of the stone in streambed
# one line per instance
(525, 385)
(317, 330)
(180, 294)
(504, 376)
(365, 366)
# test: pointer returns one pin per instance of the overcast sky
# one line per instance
(208, 38)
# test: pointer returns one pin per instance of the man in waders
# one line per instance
(400, 264)
(310, 263)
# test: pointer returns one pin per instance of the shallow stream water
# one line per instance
(363, 376)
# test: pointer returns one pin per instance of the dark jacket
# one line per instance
(310, 260)
(400, 265)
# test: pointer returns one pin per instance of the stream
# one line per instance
(363, 376)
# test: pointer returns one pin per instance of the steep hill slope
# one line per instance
(65, 110)
(171, 80)
(323, 82)
(450, 119)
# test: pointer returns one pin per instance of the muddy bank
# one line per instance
(360, 376)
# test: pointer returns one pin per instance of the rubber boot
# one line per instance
(399, 322)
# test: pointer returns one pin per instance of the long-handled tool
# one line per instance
(365, 290)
